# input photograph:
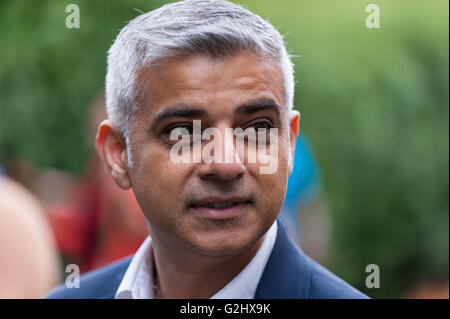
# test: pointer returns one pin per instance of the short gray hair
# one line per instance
(214, 27)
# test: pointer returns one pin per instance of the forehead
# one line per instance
(208, 82)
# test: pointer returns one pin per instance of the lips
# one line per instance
(220, 208)
(220, 205)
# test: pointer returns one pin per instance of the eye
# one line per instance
(178, 131)
(254, 131)
(181, 130)
(259, 126)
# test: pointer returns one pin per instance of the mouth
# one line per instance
(220, 208)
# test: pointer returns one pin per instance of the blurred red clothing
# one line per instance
(102, 222)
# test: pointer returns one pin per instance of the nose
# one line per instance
(227, 164)
(221, 171)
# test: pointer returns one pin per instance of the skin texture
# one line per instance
(196, 256)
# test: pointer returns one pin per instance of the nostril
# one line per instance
(222, 171)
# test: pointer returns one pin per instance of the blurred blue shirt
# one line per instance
(303, 186)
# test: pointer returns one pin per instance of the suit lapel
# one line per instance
(109, 287)
(287, 273)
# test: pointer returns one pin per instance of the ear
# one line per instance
(112, 149)
(294, 130)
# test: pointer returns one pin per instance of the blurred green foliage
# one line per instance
(374, 104)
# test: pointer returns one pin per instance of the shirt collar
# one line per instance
(137, 282)
(138, 278)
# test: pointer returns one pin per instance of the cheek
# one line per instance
(272, 187)
(277, 182)
(155, 180)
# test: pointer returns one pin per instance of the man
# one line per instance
(213, 222)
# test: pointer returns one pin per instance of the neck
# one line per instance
(197, 276)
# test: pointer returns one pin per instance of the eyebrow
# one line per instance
(259, 105)
(179, 111)
(186, 111)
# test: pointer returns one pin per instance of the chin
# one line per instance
(224, 243)
(222, 250)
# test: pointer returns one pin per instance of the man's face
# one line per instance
(180, 199)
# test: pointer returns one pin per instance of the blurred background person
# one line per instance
(29, 261)
(98, 223)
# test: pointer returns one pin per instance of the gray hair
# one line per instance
(214, 27)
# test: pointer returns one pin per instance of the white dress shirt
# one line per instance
(137, 282)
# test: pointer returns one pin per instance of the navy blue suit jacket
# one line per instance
(289, 274)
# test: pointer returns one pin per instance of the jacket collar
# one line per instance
(288, 271)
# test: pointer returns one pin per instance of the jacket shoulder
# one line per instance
(291, 274)
(101, 283)
(326, 285)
